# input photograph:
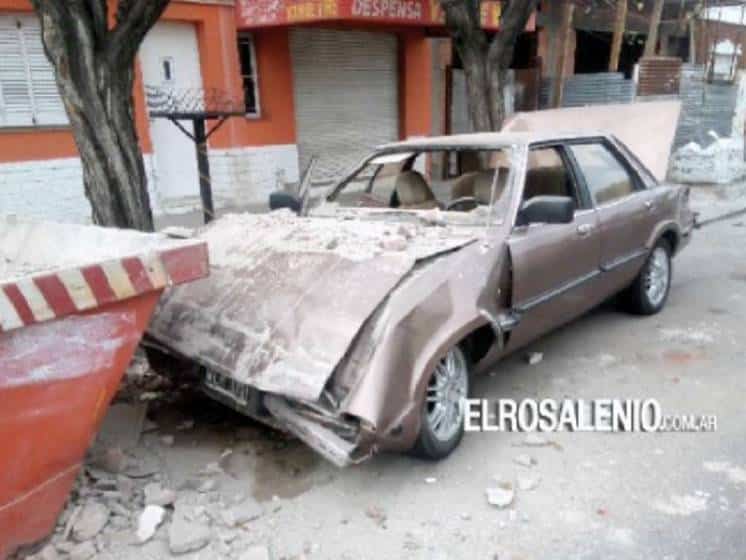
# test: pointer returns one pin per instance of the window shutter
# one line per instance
(28, 90)
(15, 97)
(47, 104)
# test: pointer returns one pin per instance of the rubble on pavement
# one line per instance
(124, 501)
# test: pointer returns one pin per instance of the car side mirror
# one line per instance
(546, 210)
(282, 199)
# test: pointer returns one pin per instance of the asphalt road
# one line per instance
(600, 495)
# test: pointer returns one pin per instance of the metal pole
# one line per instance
(203, 168)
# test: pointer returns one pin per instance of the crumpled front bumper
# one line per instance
(307, 425)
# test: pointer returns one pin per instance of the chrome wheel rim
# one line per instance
(657, 276)
(445, 393)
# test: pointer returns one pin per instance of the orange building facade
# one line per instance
(314, 79)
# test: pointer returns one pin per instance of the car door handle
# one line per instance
(585, 230)
(649, 205)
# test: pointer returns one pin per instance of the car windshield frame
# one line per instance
(501, 209)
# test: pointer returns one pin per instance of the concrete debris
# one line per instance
(256, 552)
(91, 520)
(83, 551)
(524, 460)
(150, 518)
(156, 495)
(186, 536)
(242, 513)
(533, 358)
(112, 460)
(720, 162)
(502, 495)
(377, 514)
(394, 243)
(49, 552)
(527, 483)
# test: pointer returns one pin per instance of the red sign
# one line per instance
(425, 13)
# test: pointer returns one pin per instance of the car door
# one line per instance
(627, 210)
(554, 266)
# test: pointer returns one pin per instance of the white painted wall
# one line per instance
(246, 176)
(49, 190)
(53, 189)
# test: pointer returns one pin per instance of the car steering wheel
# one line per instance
(463, 204)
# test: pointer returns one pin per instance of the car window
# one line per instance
(547, 175)
(606, 177)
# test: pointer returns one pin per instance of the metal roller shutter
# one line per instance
(346, 96)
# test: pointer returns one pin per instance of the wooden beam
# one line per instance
(655, 21)
(620, 22)
(568, 9)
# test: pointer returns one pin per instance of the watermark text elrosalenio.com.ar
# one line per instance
(578, 415)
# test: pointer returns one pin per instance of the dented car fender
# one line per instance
(414, 333)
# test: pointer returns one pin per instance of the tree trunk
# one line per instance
(113, 171)
(94, 69)
(485, 62)
(655, 22)
(620, 22)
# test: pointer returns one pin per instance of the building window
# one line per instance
(28, 90)
(247, 58)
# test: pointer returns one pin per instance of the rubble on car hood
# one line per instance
(286, 295)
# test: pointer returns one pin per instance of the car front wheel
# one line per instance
(649, 292)
(442, 421)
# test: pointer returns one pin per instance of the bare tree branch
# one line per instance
(513, 21)
(134, 18)
(485, 62)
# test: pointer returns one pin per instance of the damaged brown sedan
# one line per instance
(357, 324)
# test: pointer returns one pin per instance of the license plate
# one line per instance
(240, 393)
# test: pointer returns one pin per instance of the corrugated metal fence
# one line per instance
(705, 107)
(590, 89)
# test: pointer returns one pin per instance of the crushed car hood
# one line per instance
(647, 128)
(287, 295)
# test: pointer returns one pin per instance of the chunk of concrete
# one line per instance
(91, 520)
(150, 518)
(186, 536)
(241, 513)
(156, 495)
(83, 551)
(501, 496)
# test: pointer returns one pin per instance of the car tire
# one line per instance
(648, 293)
(441, 432)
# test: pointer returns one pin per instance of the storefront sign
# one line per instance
(426, 13)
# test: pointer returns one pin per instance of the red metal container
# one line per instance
(74, 302)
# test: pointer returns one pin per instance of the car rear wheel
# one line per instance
(649, 292)
(442, 421)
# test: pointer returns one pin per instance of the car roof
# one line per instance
(484, 140)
